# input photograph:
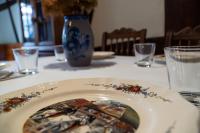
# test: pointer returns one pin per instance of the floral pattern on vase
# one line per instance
(78, 41)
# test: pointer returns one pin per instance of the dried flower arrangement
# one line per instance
(68, 7)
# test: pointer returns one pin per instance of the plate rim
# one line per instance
(102, 55)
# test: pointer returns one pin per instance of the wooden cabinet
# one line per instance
(181, 13)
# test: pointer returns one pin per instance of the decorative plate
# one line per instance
(97, 55)
(97, 105)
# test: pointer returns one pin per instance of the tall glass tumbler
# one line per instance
(26, 59)
(183, 65)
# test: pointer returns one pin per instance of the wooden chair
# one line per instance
(6, 51)
(121, 40)
(197, 28)
(187, 36)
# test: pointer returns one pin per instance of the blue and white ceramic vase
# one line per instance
(78, 40)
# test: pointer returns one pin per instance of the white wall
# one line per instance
(6, 31)
(138, 14)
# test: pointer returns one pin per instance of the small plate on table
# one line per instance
(97, 55)
(160, 59)
(5, 74)
(3, 65)
(97, 105)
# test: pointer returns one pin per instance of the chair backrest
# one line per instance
(121, 40)
(6, 51)
(197, 28)
(187, 36)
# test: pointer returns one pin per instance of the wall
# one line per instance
(6, 31)
(138, 14)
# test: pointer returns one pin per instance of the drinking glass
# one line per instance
(59, 53)
(144, 53)
(26, 59)
(183, 65)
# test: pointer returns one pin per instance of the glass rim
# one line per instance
(26, 48)
(146, 43)
(183, 48)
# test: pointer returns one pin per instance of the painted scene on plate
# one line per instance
(84, 116)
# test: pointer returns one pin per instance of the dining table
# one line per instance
(120, 67)
(114, 89)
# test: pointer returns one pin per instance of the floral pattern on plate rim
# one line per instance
(12, 103)
(134, 89)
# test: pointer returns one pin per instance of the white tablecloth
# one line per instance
(120, 67)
